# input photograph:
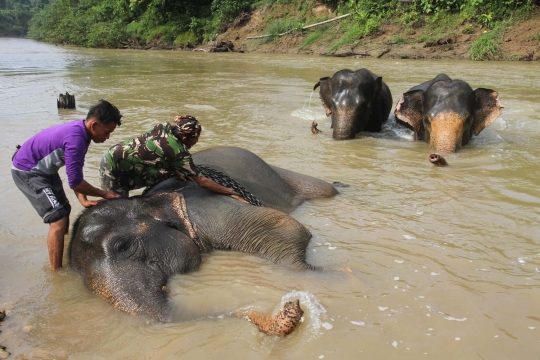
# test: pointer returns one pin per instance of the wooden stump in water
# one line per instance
(66, 101)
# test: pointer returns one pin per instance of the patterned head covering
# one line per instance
(187, 125)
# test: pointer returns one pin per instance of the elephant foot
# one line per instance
(314, 129)
(437, 160)
(282, 324)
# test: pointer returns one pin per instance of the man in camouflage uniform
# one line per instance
(155, 156)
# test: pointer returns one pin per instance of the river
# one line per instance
(444, 262)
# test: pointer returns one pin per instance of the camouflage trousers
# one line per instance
(108, 181)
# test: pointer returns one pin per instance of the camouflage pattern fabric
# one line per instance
(149, 159)
(187, 125)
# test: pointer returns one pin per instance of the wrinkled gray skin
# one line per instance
(357, 101)
(446, 113)
(126, 249)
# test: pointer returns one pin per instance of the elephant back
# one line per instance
(253, 173)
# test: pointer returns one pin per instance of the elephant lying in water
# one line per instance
(446, 113)
(357, 100)
(126, 249)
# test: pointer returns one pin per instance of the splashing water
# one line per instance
(306, 112)
(311, 307)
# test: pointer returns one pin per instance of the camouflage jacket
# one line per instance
(150, 158)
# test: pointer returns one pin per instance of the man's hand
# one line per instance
(179, 175)
(110, 195)
(89, 203)
(239, 198)
(85, 202)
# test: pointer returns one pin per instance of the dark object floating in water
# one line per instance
(437, 160)
(339, 184)
(314, 128)
(66, 101)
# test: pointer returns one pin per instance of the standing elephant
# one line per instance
(357, 100)
(445, 112)
(127, 249)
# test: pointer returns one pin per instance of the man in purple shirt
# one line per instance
(36, 163)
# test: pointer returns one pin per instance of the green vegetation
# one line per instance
(112, 23)
(311, 39)
(536, 36)
(15, 15)
(488, 44)
(281, 26)
(469, 29)
(398, 39)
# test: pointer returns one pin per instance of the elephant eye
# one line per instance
(123, 247)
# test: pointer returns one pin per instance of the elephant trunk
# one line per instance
(344, 124)
(132, 288)
(446, 133)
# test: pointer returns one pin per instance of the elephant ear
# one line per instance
(409, 110)
(487, 108)
(325, 94)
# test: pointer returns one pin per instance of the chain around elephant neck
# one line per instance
(229, 182)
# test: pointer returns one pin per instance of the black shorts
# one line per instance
(45, 193)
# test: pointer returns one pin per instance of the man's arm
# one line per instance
(211, 185)
(84, 188)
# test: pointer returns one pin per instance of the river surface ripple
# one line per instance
(444, 262)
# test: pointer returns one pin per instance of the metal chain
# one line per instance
(229, 182)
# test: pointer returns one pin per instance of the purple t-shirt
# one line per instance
(52, 148)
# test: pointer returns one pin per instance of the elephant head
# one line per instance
(446, 113)
(126, 249)
(356, 100)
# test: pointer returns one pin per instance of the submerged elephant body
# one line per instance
(446, 113)
(357, 101)
(127, 249)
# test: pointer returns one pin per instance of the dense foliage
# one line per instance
(111, 23)
(15, 14)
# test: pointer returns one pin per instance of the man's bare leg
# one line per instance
(55, 241)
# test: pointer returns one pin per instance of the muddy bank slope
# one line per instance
(520, 41)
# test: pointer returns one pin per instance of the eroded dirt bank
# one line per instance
(520, 41)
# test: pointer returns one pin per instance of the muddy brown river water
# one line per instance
(444, 261)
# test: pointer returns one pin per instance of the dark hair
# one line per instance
(105, 112)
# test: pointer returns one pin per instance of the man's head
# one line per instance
(101, 121)
(188, 129)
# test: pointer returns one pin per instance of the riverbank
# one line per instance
(442, 37)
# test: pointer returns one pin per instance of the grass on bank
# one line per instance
(487, 46)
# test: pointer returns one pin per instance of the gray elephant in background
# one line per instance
(357, 101)
(126, 249)
(446, 113)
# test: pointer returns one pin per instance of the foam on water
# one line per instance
(199, 107)
(391, 127)
(307, 114)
